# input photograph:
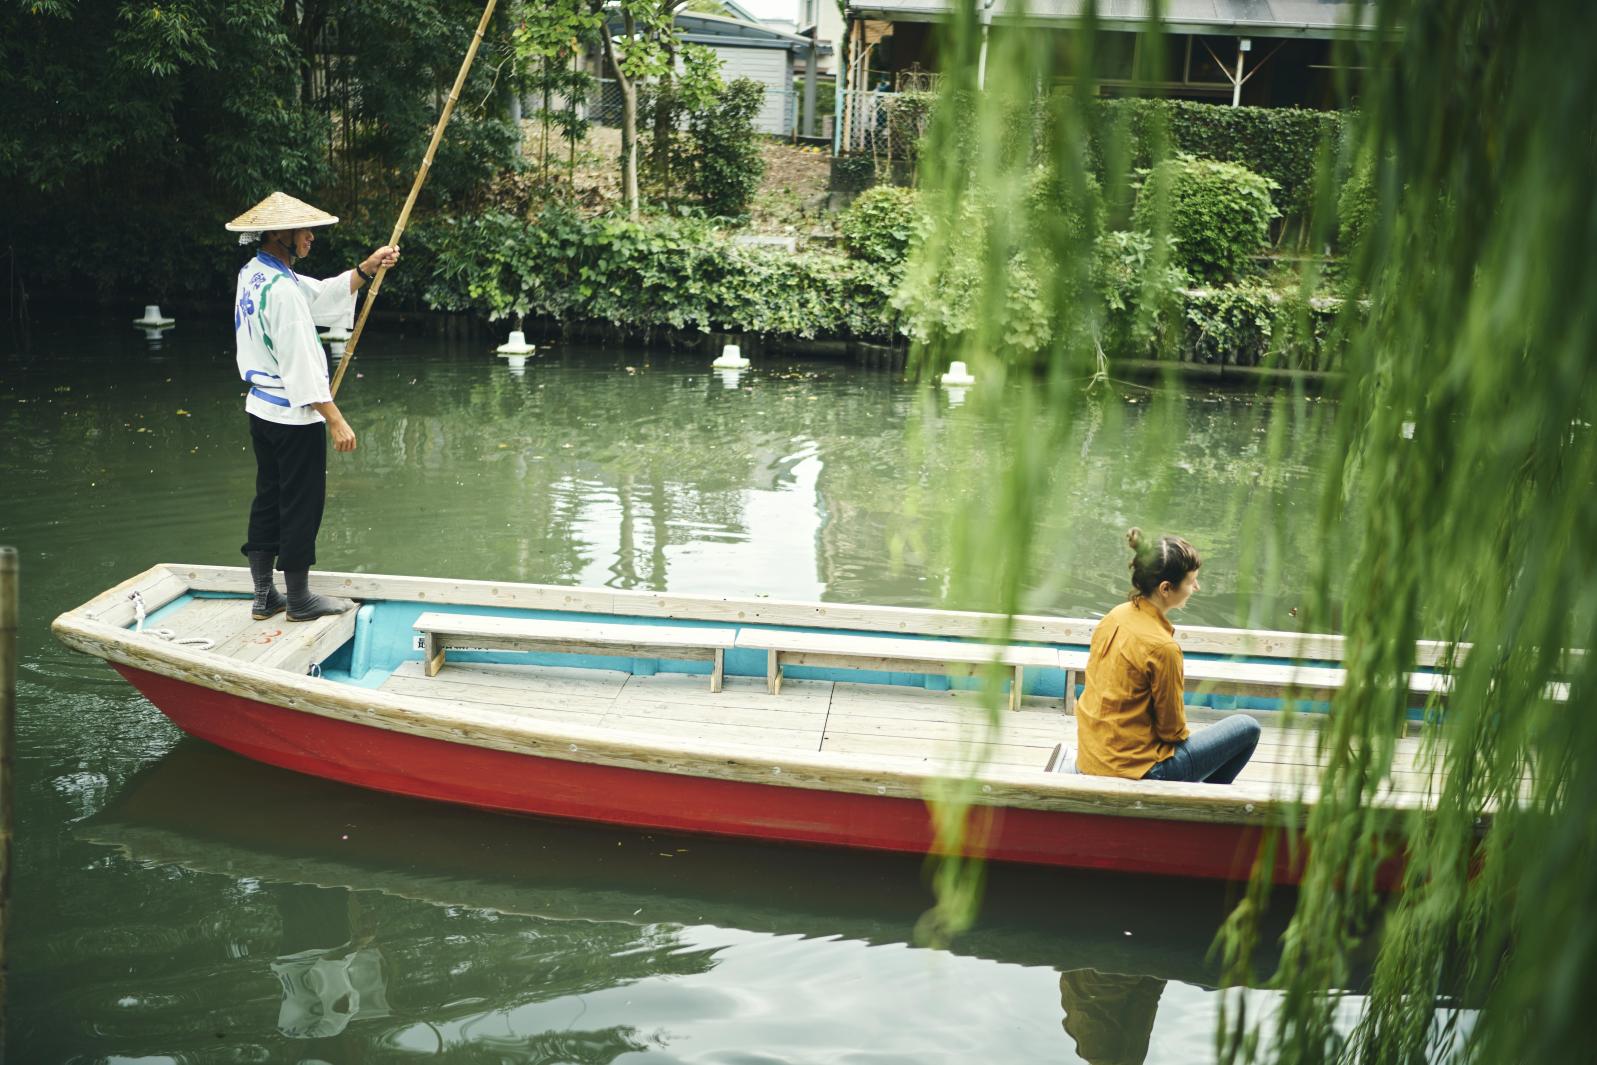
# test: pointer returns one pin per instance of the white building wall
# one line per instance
(828, 20)
(769, 66)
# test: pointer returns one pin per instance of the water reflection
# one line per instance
(337, 972)
(1109, 1015)
(361, 920)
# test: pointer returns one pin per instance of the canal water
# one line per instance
(173, 903)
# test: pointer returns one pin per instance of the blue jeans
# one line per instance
(1214, 755)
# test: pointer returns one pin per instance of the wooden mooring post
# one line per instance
(8, 734)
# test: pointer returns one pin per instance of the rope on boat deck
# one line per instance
(202, 643)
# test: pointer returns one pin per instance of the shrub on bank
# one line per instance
(949, 292)
(1252, 325)
(727, 164)
(1072, 209)
(1277, 143)
(882, 224)
(681, 274)
(1143, 292)
(1354, 206)
(657, 273)
(1218, 213)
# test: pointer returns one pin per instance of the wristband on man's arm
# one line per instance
(362, 273)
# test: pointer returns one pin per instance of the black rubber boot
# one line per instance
(269, 601)
(306, 605)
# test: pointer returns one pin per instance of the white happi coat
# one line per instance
(280, 355)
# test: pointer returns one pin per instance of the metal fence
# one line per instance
(886, 125)
(779, 116)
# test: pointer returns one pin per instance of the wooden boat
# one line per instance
(846, 753)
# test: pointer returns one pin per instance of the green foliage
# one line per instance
(727, 164)
(1218, 213)
(1354, 206)
(852, 173)
(657, 273)
(1457, 505)
(904, 123)
(1250, 324)
(693, 92)
(543, 46)
(1142, 292)
(882, 224)
(1075, 216)
(148, 126)
(1278, 143)
(953, 293)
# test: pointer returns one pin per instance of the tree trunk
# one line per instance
(629, 146)
(629, 117)
(664, 124)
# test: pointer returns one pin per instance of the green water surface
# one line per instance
(173, 903)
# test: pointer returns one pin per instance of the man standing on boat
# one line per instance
(290, 404)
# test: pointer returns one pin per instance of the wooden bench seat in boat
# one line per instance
(440, 632)
(1259, 679)
(892, 655)
(1273, 680)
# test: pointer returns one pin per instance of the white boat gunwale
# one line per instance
(100, 628)
(884, 620)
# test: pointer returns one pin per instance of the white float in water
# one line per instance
(731, 358)
(516, 349)
(336, 338)
(152, 318)
(958, 375)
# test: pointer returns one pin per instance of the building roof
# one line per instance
(725, 31)
(1259, 18)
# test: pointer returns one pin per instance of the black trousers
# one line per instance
(290, 491)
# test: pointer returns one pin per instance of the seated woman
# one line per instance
(1130, 720)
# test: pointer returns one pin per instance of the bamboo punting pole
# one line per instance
(415, 189)
(8, 733)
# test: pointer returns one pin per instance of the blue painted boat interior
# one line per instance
(385, 637)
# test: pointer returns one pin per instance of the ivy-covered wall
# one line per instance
(1279, 143)
(1282, 144)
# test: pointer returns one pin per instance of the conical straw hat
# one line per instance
(280, 211)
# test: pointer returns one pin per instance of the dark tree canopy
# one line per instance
(132, 131)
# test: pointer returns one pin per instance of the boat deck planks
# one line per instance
(902, 726)
(275, 642)
(899, 725)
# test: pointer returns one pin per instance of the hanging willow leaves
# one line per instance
(1459, 501)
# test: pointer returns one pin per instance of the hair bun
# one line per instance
(1134, 538)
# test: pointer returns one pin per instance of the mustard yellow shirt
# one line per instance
(1130, 715)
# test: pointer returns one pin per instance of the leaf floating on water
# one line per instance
(183, 413)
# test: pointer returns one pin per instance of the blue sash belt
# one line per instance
(280, 401)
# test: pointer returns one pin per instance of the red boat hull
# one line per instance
(427, 768)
